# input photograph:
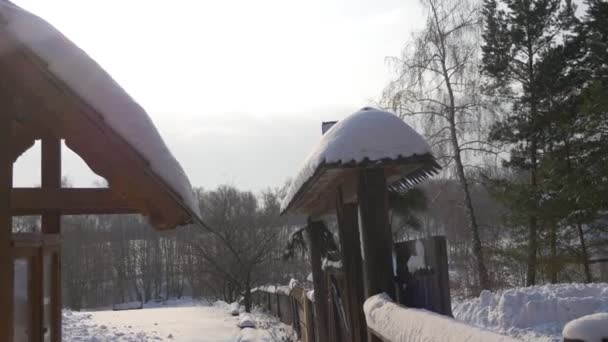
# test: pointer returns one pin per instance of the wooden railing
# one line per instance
(291, 307)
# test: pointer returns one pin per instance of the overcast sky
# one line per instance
(237, 88)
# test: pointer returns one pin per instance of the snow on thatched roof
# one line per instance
(367, 137)
(72, 66)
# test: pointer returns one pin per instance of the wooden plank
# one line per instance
(348, 233)
(68, 201)
(6, 183)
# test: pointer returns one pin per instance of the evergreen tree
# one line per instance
(517, 33)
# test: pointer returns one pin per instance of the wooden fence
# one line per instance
(421, 281)
(293, 308)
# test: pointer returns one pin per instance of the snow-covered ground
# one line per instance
(536, 313)
(176, 321)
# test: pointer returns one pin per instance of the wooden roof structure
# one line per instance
(56, 92)
(315, 195)
(51, 91)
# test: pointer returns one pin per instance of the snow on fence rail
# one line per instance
(386, 319)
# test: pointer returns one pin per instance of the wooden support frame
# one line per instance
(51, 224)
(68, 201)
(7, 267)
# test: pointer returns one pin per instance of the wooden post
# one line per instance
(348, 232)
(6, 251)
(51, 224)
(376, 236)
(320, 303)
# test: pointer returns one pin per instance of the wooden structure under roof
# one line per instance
(356, 192)
(40, 102)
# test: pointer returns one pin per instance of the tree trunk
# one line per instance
(247, 293)
(532, 220)
(320, 294)
(482, 272)
(553, 262)
(584, 254)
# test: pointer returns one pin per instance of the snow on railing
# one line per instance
(591, 328)
(393, 322)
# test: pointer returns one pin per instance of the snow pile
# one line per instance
(293, 283)
(269, 328)
(591, 328)
(310, 294)
(128, 306)
(254, 335)
(97, 88)
(387, 319)
(533, 313)
(234, 309)
(220, 304)
(246, 321)
(368, 134)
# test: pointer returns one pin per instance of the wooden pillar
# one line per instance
(320, 303)
(348, 231)
(51, 224)
(6, 251)
(51, 179)
(376, 236)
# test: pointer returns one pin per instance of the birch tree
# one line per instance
(438, 83)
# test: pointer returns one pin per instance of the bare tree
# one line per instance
(438, 83)
(239, 239)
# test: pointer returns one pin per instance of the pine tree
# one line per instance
(516, 35)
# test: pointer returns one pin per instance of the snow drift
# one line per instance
(537, 312)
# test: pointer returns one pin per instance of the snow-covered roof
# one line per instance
(365, 138)
(72, 66)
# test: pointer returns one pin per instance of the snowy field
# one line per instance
(176, 321)
(536, 313)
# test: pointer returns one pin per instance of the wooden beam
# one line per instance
(68, 201)
(350, 248)
(376, 235)
(50, 172)
(321, 300)
(7, 267)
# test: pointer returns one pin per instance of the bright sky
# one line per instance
(237, 88)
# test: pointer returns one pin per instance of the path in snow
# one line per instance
(194, 323)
